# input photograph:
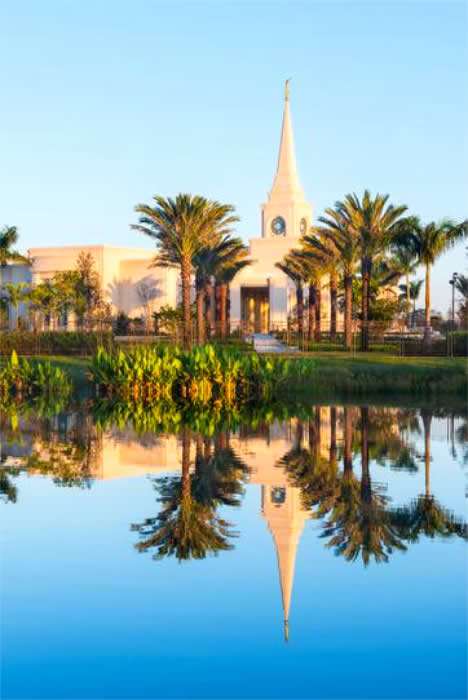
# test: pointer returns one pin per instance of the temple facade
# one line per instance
(261, 296)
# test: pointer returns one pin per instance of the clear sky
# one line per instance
(106, 103)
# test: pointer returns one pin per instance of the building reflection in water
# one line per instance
(294, 462)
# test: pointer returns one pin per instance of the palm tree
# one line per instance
(360, 523)
(376, 225)
(311, 270)
(223, 277)
(182, 227)
(405, 261)
(411, 291)
(8, 238)
(429, 242)
(325, 253)
(185, 527)
(44, 298)
(292, 267)
(209, 263)
(425, 515)
(15, 293)
(219, 476)
(336, 238)
(461, 285)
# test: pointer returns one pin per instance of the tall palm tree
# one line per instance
(228, 253)
(429, 242)
(15, 293)
(411, 291)
(405, 259)
(425, 515)
(376, 225)
(185, 527)
(461, 285)
(223, 277)
(43, 298)
(293, 268)
(182, 227)
(325, 253)
(312, 269)
(8, 238)
(336, 238)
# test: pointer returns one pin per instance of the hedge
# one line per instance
(460, 342)
(53, 342)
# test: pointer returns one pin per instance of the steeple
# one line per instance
(287, 213)
(286, 521)
(286, 185)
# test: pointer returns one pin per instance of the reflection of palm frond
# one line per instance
(424, 516)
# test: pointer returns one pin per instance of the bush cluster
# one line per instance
(202, 376)
(21, 379)
(460, 342)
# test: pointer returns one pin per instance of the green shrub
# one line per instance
(53, 342)
(202, 376)
(21, 379)
(460, 342)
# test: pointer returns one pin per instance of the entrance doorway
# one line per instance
(255, 309)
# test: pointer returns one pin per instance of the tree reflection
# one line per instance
(359, 523)
(64, 445)
(424, 515)
(188, 526)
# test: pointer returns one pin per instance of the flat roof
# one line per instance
(50, 249)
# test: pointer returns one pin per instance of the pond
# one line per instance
(312, 553)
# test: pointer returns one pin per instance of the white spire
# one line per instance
(286, 184)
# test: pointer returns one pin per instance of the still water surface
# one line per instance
(339, 570)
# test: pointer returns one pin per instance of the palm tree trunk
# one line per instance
(223, 308)
(228, 310)
(186, 490)
(299, 433)
(208, 308)
(365, 273)
(217, 298)
(333, 299)
(427, 420)
(187, 321)
(427, 309)
(300, 308)
(312, 297)
(348, 441)
(200, 316)
(348, 319)
(318, 430)
(408, 301)
(332, 434)
(318, 313)
(365, 473)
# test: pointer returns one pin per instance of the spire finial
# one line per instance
(286, 631)
(286, 90)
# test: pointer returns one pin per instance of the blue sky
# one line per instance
(106, 103)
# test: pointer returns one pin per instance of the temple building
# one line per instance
(261, 296)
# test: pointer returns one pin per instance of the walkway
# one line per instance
(263, 342)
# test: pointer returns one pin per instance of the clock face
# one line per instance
(278, 226)
(303, 227)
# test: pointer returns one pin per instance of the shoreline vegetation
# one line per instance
(214, 376)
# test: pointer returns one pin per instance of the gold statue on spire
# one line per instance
(286, 90)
